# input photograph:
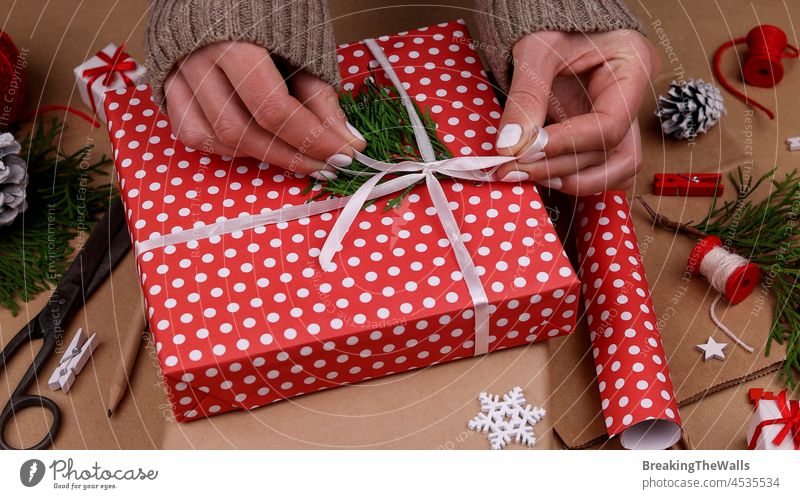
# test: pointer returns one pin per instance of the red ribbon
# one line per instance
(790, 417)
(118, 63)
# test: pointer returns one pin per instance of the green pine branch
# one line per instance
(767, 232)
(65, 194)
(378, 113)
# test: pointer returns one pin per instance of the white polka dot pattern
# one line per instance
(248, 318)
(631, 367)
(442, 72)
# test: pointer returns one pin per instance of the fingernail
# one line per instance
(554, 183)
(323, 175)
(340, 160)
(535, 151)
(509, 136)
(515, 176)
(355, 132)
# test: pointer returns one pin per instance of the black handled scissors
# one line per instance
(105, 247)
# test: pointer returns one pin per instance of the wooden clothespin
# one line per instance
(75, 357)
(688, 184)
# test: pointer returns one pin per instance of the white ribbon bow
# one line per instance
(470, 168)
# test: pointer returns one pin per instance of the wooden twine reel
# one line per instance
(762, 67)
(733, 276)
(728, 273)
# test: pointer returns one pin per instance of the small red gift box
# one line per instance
(247, 318)
(776, 421)
(110, 69)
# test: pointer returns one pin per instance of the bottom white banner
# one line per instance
(400, 474)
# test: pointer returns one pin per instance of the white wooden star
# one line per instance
(712, 350)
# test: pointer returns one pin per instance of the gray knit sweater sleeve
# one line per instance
(298, 31)
(501, 23)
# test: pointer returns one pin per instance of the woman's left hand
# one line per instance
(590, 85)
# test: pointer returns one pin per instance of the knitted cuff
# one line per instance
(501, 23)
(298, 32)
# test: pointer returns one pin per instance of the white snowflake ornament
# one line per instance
(511, 418)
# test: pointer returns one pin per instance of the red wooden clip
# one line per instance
(688, 184)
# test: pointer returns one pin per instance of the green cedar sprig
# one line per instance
(767, 232)
(65, 194)
(378, 113)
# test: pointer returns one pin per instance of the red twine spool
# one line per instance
(731, 275)
(12, 81)
(766, 46)
(13, 85)
(736, 282)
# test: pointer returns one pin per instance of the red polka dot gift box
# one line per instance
(242, 318)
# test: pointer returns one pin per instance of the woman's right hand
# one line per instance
(229, 98)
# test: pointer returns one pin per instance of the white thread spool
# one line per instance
(733, 276)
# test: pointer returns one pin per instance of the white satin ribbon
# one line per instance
(470, 168)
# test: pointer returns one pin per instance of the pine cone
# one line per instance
(690, 108)
(13, 179)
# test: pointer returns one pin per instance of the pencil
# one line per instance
(130, 349)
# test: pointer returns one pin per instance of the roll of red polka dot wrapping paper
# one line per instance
(247, 318)
(636, 392)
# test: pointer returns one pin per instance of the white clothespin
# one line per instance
(75, 357)
(793, 143)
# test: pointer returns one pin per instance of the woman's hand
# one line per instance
(229, 98)
(590, 85)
